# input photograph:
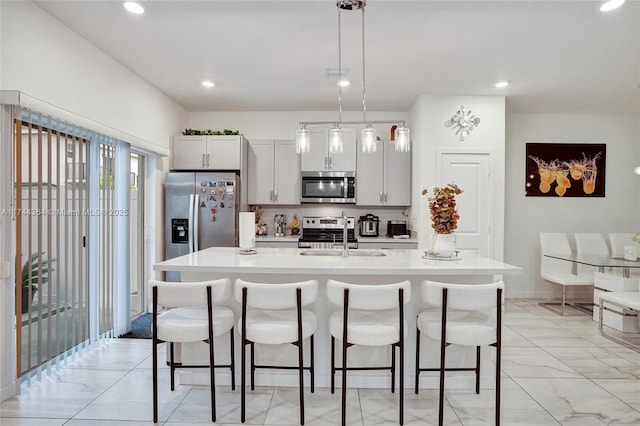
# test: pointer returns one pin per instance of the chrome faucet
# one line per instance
(345, 234)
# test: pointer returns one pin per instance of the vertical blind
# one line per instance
(71, 221)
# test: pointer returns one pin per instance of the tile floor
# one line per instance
(556, 371)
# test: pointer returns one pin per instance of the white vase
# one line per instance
(444, 245)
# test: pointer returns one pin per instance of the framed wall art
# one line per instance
(565, 169)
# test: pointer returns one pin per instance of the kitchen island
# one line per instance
(276, 265)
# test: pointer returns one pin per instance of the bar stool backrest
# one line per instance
(276, 296)
(463, 297)
(178, 294)
(368, 296)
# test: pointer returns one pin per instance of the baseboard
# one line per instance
(8, 391)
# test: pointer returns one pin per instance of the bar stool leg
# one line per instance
(253, 366)
(212, 362)
(333, 364)
(393, 369)
(477, 370)
(344, 356)
(300, 355)
(443, 348)
(401, 327)
(154, 342)
(233, 359)
(312, 370)
(417, 381)
(243, 355)
(172, 367)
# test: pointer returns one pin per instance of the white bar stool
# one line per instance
(273, 314)
(470, 315)
(188, 320)
(372, 315)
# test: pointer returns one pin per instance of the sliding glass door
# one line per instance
(51, 234)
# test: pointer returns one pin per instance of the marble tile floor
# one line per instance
(556, 371)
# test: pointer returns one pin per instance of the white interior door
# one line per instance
(471, 172)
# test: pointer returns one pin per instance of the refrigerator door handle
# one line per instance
(196, 222)
(191, 222)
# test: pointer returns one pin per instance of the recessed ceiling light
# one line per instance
(343, 83)
(208, 83)
(502, 84)
(610, 5)
(134, 7)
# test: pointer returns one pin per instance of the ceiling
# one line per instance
(560, 56)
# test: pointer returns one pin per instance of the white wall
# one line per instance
(429, 134)
(51, 63)
(526, 217)
(69, 78)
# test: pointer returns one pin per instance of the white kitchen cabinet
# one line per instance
(273, 172)
(383, 178)
(207, 152)
(320, 159)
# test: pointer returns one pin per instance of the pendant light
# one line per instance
(402, 137)
(335, 139)
(369, 134)
(302, 140)
(335, 134)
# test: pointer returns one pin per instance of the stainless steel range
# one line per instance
(327, 232)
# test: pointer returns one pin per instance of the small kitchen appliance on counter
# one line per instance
(326, 232)
(369, 225)
(397, 228)
(281, 225)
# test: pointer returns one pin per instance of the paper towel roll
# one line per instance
(247, 229)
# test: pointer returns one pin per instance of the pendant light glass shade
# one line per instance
(302, 140)
(335, 139)
(369, 139)
(403, 139)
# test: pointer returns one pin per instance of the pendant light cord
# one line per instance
(339, 69)
(364, 88)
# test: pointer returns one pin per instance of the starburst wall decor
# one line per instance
(463, 122)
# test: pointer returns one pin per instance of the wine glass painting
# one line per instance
(565, 170)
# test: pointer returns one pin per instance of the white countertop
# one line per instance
(397, 262)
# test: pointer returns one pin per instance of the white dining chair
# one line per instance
(556, 271)
(274, 314)
(469, 315)
(617, 241)
(371, 315)
(590, 243)
(190, 313)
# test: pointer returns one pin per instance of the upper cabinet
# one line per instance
(383, 178)
(320, 159)
(273, 172)
(207, 152)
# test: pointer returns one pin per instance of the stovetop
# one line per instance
(324, 232)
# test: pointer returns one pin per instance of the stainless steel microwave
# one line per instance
(328, 187)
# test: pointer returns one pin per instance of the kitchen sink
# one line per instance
(339, 253)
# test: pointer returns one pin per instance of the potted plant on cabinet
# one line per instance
(34, 271)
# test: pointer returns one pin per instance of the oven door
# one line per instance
(328, 187)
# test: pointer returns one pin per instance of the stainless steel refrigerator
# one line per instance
(201, 211)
